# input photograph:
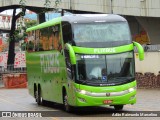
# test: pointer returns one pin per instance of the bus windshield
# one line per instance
(105, 69)
(101, 32)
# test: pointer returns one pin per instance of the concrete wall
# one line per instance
(149, 24)
(151, 63)
(152, 26)
(135, 27)
(94, 5)
(149, 8)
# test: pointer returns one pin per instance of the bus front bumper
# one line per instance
(118, 98)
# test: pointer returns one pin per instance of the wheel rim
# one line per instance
(66, 105)
(36, 95)
(41, 100)
(65, 101)
(39, 97)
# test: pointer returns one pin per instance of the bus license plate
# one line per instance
(107, 101)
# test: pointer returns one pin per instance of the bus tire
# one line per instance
(118, 107)
(35, 93)
(39, 97)
(67, 107)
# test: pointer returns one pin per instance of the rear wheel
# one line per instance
(118, 107)
(35, 92)
(36, 95)
(67, 107)
(39, 97)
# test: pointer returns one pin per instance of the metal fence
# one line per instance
(150, 48)
(11, 69)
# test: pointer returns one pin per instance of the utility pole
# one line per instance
(111, 4)
(70, 4)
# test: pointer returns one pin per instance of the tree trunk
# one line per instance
(11, 52)
(41, 18)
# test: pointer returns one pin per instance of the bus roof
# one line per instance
(79, 18)
(92, 18)
(45, 24)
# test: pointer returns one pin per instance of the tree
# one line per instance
(11, 52)
(13, 32)
(30, 23)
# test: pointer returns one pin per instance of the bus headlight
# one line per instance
(132, 89)
(81, 91)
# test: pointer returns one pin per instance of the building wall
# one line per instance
(152, 26)
(149, 64)
(5, 21)
(149, 8)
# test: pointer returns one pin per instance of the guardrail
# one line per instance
(11, 69)
(11, 77)
(150, 48)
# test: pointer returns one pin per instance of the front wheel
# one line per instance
(67, 107)
(118, 107)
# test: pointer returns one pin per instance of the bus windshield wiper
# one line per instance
(121, 78)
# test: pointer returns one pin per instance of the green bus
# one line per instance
(82, 60)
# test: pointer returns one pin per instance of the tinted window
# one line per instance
(101, 34)
(67, 32)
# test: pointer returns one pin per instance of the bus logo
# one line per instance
(49, 63)
(105, 50)
(108, 94)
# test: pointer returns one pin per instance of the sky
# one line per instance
(10, 12)
(33, 16)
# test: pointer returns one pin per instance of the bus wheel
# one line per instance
(35, 92)
(36, 95)
(39, 97)
(67, 107)
(118, 107)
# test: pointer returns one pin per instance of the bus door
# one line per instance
(70, 76)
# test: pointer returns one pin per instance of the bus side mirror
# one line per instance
(140, 50)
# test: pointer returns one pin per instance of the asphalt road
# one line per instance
(19, 100)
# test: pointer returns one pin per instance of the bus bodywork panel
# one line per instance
(97, 96)
(48, 70)
(75, 45)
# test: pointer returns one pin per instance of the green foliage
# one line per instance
(19, 36)
(30, 23)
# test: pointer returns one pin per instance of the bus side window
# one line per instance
(30, 46)
(51, 38)
(68, 64)
(44, 38)
(30, 42)
(56, 38)
(67, 32)
(38, 44)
